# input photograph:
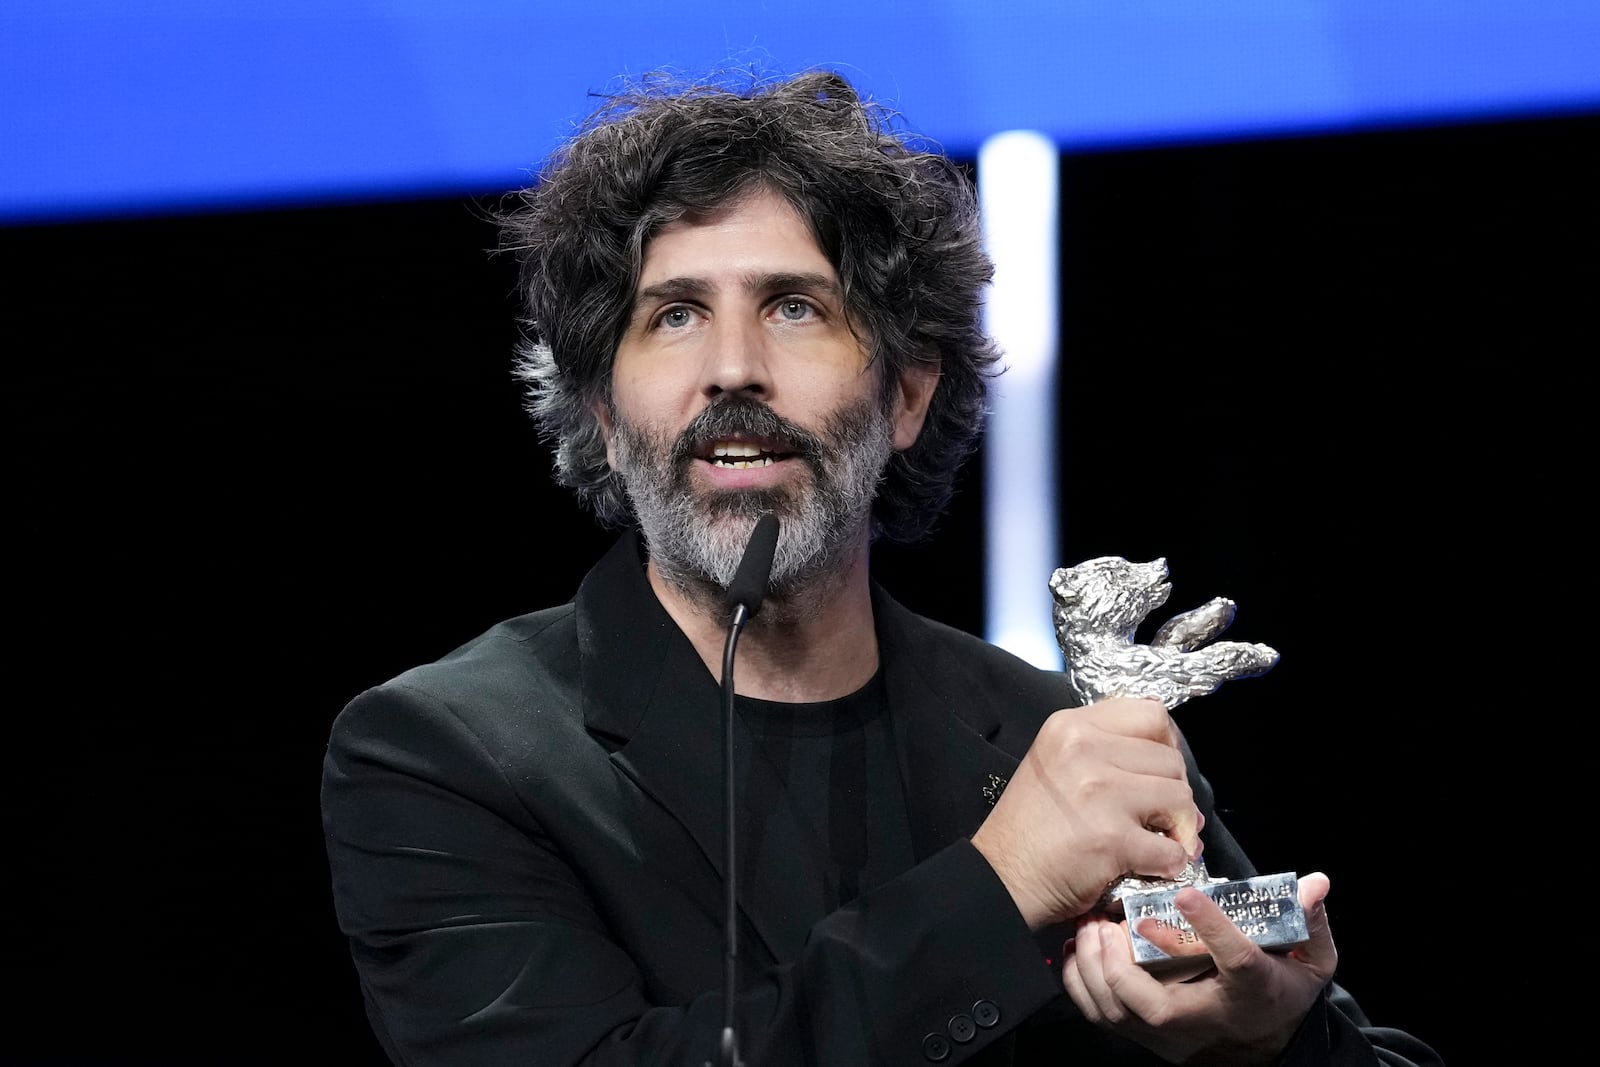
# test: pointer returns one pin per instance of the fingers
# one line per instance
(1318, 952)
(1084, 976)
(1072, 980)
(1103, 792)
(1242, 1007)
(1080, 748)
(1313, 890)
(1155, 855)
(1143, 717)
(1172, 817)
(1112, 990)
(1134, 733)
(1230, 948)
(1137, 735)
(1233, 951)
(1176, 943)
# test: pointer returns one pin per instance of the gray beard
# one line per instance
(697, 539)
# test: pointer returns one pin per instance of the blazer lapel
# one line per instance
(647, 690)
(946, 725)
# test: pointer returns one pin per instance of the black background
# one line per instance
(262, 460)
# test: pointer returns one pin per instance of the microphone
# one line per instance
(749, 586)
(745, 594)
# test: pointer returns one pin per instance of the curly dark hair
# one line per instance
(898, 222)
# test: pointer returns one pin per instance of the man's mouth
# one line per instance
(741, 455)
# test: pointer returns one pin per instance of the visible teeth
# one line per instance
(739, 456)
(736, 448)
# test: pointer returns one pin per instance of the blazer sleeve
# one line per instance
(478, 944)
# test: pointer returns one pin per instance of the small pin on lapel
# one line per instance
(996, 786)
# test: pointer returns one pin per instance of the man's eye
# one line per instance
(676, 318)
(794, 310)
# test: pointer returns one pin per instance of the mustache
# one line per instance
(733, 414)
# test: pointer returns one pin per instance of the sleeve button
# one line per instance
(985, 1013)
(961, 1028)
(935, 1047)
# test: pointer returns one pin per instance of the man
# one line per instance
(752, 301)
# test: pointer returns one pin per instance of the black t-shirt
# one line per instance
(833, 765)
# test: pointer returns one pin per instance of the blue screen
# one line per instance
(124, 106)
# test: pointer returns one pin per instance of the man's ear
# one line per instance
(916, 385)
(602, 415)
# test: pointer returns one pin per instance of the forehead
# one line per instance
(760, 233)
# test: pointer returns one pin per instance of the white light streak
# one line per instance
(1017, 193)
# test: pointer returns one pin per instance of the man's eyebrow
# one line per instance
(672, 289)
(690, 287)
(802, 281)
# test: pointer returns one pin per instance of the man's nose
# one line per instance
(739, 360)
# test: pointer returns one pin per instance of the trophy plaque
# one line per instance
(1097, 607)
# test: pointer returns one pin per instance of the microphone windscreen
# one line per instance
(749, 585)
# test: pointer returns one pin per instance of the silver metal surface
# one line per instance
(1101, 602)
(1267, 908)
(1099, 605)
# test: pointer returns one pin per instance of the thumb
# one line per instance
(1230, 948)
(1318, 952)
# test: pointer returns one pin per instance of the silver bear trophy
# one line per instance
(1101, 602)
(1099, 605)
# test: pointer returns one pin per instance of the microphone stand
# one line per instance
(728, 1052)
(745, 593)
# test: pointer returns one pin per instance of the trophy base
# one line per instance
(1267, 908)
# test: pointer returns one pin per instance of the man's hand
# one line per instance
(1085, 808)
(1243, 1010)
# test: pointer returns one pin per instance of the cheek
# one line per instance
(844, 386)
(649, 398)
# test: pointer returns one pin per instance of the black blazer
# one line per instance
(525, 841)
